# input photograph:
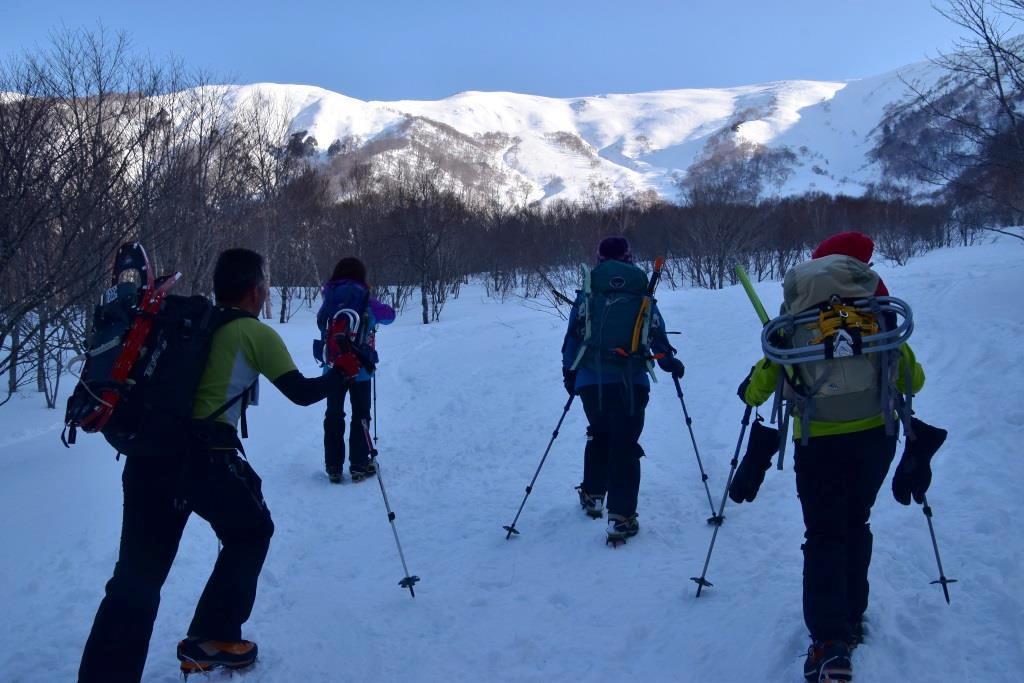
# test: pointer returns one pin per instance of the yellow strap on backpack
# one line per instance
(639, 326)
(841, 316)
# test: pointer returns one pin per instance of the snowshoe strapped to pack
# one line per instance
(147, 354)
(344, 333)
(843, 342)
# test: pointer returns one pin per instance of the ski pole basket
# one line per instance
(845, 328)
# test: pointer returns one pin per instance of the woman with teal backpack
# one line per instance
(606, 357)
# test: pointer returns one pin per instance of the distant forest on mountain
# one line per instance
(99, 145)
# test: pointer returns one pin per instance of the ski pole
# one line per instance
(942, 580)
(374, 379)
(714, 518)
(702, 581)
(511, 528)
(762, 315)
(409, 581)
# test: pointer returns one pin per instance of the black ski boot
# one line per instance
(198, 656)
(828, 662)
(335, 476)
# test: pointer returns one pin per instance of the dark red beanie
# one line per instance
(855, 244)
(852, 243)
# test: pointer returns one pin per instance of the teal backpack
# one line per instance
(614, 317)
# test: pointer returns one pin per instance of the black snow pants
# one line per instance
(611, 460)
(159, 496)
(837, 479)
(334, 427)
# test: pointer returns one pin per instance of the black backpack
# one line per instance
(153, 416)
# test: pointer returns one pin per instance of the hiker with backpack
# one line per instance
(347, 290)
(615, 332)
(196, 466)
(838, 355)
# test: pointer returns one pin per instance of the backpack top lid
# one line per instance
(340, 294)
(815, 282)
(611, 277)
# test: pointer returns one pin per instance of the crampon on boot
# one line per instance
(197, 656)
(828, 662)
(360, 472)
(620, 528)
(592, 505)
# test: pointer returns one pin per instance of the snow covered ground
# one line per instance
(466, 408)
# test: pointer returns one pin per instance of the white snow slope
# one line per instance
(466, 408)
(527, 148)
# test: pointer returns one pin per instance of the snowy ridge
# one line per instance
(535, 148)
(465, 409)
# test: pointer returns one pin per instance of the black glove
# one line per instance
(673, 366)
(914, 473)
(763, 444)
(569, 380)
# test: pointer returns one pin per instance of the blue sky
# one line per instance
(431, 48)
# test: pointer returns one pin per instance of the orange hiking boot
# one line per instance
(828, 662)
(203, 655)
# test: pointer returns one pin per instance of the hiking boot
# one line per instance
(360, 472)
(620, 528)
(592, 505)
(335, 476)
(197, 656)
(828, 662)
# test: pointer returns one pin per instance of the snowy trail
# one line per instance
(466, 408)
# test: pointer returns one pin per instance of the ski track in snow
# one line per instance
(466, 409)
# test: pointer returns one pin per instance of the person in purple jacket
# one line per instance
(348, 288)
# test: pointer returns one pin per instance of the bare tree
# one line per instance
(965, 134)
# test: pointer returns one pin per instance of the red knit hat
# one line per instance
(852, 243)
(855, 244)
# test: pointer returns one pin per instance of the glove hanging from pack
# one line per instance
(914, 473)
(763, 444)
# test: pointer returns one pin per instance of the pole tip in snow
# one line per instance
(409, 582)
(702, 583)
(511, 530)
(944, 582)
(716, 520)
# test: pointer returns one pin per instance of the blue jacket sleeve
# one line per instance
(321, 317)
(382, 313)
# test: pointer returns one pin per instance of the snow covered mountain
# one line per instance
(525, 148)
